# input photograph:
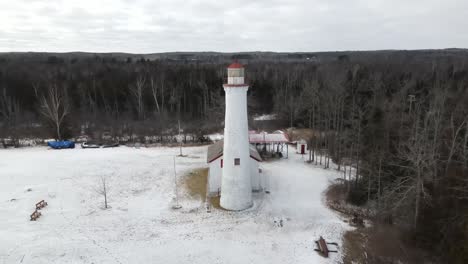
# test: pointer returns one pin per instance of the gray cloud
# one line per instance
(144, 26)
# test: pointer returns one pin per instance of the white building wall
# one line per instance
(214, 177)
(236, 183)
(254, 173)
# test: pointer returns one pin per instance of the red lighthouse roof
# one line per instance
(235, 65)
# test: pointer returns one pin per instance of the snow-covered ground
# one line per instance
(141, 227)
(216, 137)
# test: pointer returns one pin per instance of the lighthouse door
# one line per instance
(302, 149)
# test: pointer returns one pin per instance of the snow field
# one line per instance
(140, 226)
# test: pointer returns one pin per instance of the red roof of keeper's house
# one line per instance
(235, 65)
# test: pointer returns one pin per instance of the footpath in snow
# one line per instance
(140, 226)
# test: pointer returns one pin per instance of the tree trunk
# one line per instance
(358, 148)
(455, 133)
(105, 199)
(154, 90)
(59, 136)
(369, 185)
(417, 200)
(465, 148)
(379, 174)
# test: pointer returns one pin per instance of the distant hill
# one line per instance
(220, 57)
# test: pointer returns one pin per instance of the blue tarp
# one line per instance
(61, 144)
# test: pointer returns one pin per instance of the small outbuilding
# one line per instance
(215, 160)
(301, 147)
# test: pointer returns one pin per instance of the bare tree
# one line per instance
(154, 91)
(453, 144)
(9, 108)
(137, 91)
(54, 106)
(103, 190)
(416, 153)
(9, 112)
(465, 148)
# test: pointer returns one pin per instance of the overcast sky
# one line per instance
(146, 26)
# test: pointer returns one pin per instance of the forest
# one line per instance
(395, 122)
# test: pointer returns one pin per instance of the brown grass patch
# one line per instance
(196, 182)
(354, 247)
(215, 202)
(379, 243)
(336, 192)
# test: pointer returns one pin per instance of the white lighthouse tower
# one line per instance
(236, 185)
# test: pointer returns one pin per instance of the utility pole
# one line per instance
(180, 143)
(176, 205)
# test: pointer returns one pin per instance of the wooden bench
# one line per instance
(41, 205)
(322, 247)
(35, 215)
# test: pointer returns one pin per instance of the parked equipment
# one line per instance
(64, 144)
(93, 144)
(90, 144)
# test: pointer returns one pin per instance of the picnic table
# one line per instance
(322, 247)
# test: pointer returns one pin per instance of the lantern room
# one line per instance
(236, 75)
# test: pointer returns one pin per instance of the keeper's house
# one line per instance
(215, 160)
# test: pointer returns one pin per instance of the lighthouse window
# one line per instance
(236, 161)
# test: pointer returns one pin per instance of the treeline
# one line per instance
(398, 130)
(63, 98)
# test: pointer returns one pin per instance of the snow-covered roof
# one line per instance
(264, 137)
(265, 117)
(216, 150)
